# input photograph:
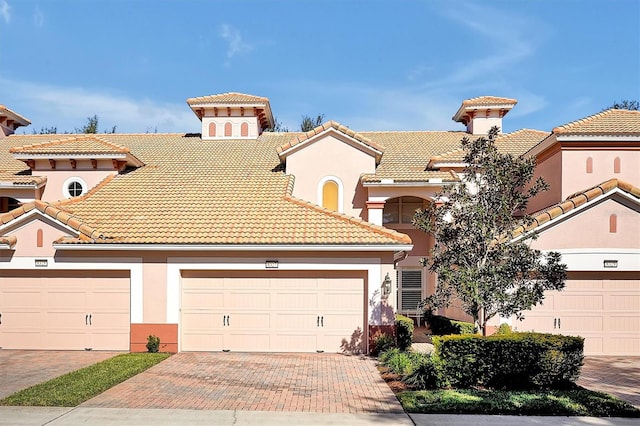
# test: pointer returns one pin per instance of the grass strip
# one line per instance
(72, 389)
(575, 402)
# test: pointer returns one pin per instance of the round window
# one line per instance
(74, 187)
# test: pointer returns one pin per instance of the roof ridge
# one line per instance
(356, 221)
(567, 126)
(78, 137)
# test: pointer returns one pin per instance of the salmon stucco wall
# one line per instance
(329, 157)
(551, 169)
(168, 334)
(591, 229)
(27, 235)
(574, 168)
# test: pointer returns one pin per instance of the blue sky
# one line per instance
(371, 65)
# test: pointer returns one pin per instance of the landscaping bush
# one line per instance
(400, 362)
(516, 360)
(425, 375)
(441, 326)
(404, 332)
(153, 343)
(504, 329)
(382, 343)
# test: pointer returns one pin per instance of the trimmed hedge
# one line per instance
(404, 332)
(441, 326)
(513, 361)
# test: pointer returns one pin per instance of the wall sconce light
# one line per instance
(386, 285)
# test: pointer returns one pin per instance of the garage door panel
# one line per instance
(246, 299)
(605, 311)
(623, 302)
(294, 321)
(203, 299)
(208, 340)
(287, 300)
(52, 312)
(21, 298)
(275, 313)
(580, 302)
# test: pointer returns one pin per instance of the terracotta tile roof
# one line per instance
(576, 200)
(301, 138)
(609, 122)
(25, 121)
(193, 191)
(8, 240)
(406, 155)
(83, 144)
(515, 143)
(228, 98)
(488, 100)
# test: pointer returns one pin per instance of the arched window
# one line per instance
(613, 224)
(39, 238)
(330, 192)
(401, 209)
(212, 129)
(244, 129)
(589, 165)
(227, 129)
(616, 165)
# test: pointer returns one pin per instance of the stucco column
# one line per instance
(374, 212)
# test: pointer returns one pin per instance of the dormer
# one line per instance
(74, 165)
(232, 115)
(482, 113)
(10, 121)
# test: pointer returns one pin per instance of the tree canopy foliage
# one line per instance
(632, 105)
(474, 224)
(309, 123)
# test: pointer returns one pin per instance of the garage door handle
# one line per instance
(0, 319)
(558, 323)
(86, 319)
(321, 321)
(225, 320)
(555, 323)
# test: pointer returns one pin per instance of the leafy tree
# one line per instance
(277, 126)
(46, 131)
(91, 126)
(625, 104)
(474, 225)
(309, 123)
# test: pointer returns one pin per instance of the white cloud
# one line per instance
(235, 43)
(68, 107)
(38, 17)
(5, 11)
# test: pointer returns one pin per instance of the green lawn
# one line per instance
(78, 386)
(575, 402)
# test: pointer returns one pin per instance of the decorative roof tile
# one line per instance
(301, 138)
(576, 200)
(8, 240)
(228, 98)
(489, 100)
(83, 144)
(609, 122)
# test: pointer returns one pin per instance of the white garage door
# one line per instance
(604, 309)
(64, 310)
(279, 312)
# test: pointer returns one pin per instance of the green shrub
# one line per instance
(400, 362)
(426, 374)
(153, 343)
(516, 360)
(441, 326)
(382, 343)
(504, 329)
(404, 332)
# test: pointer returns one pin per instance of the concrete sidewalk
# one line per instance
(57, 416)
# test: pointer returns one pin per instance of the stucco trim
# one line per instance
(229, 247)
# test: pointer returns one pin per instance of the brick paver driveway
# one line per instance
(327, 383)
(615, 375)
(21, 369)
